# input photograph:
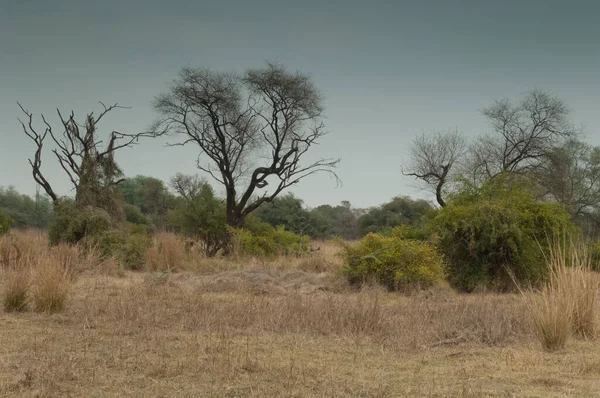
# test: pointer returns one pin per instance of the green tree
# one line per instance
(328, 221)
(150, 196)
(399, 211)
(25, 211)
(5, 223)
(199, 213)
(287, 211)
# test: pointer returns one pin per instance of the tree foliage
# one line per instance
(399, 211)
(25, 211)
(5, 223)
(149, 197)
(287, 211)
(200, 214)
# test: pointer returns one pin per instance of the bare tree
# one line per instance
(571, 175)
(433, 160)
(251, 129)
(523, 134)
(92, 171)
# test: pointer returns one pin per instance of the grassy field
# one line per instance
(290, 327)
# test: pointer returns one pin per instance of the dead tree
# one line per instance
(92, 171)
(252, 130)
(433, 160)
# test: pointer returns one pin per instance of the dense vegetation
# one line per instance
(500, 196)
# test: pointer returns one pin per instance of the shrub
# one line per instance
(128, 245)
(200, 215)
(72, 223)
(408, 232)
(483, 230)
(258, 238)
(393, 261)
(5, 223)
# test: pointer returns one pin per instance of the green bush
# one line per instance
(258, 238)
(201, 215)
(393, 261)
(5, 223)
(72, 223)
(408, 232)
(134, 215)
(483, 232)
(128, 245)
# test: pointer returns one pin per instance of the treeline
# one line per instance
(174, 206)
(24, 211)
(499, 195)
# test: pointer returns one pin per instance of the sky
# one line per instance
(389, 70)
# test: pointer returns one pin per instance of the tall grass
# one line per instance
(566, 303)
(50, 284)
(14, 297)
(37, 275)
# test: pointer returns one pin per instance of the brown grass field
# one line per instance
(290, 327)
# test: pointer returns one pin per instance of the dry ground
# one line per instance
(286, 328)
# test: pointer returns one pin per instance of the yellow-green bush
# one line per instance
(393, 261)
(260, 239)
(128, 245)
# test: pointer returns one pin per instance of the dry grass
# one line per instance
(15, 292)
(51, 281)
(567, 303)
(37, 273)
(289, 327)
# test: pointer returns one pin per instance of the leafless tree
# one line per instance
(252, 129)
(571, 175)
(91, 170)
(433, 160)
(523, 134)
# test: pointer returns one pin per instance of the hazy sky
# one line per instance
(389, 70)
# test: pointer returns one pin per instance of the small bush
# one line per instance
(5, 223)
(16, 289)
(72, 223)
(260, 239)
(483, 232)
(393, 261)
(127, 245)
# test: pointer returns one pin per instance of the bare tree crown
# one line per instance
(522, 134)
(433, 159)
(253, 127)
